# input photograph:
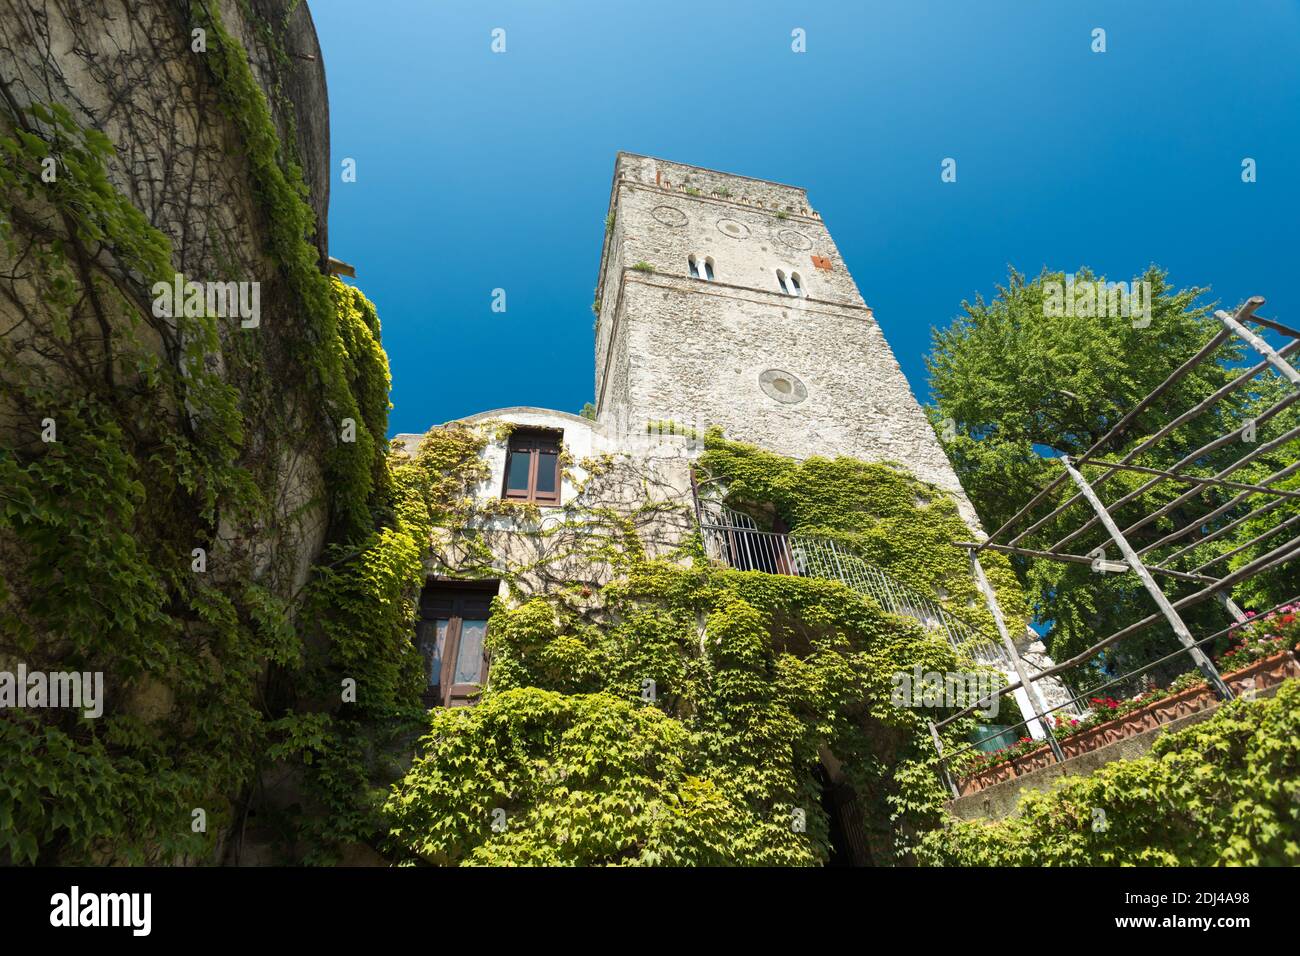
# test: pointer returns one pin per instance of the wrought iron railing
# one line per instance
(745, 548)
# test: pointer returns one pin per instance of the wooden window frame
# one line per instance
(534, 441)
(454, 602)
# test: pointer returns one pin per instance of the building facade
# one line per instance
(722, 300)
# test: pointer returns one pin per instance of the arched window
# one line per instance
(694, 267)
(796, 283)
(780, 280)
(708, 268)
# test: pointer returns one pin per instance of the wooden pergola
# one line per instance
(1085, 511)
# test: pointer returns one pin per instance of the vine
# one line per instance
(738, 682)
(1222, 792)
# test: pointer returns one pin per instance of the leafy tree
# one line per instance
(1017, 384)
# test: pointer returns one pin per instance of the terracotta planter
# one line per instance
(1006, 770)
(1265, 673)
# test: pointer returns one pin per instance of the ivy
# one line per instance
(900, 524)
(1222, 792)
(736, 683)
(211, 676)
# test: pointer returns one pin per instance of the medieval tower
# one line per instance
(723, 300)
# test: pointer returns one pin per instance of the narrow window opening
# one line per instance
(694, 267)
(533, 467)
(796, 283)
(780, 280)
(708, 269)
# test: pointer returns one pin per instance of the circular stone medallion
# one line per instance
(782, 386)
(669, 215)
(736, 230)
(795, 240)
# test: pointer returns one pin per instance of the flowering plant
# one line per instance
(1262, 637)
(980, 760)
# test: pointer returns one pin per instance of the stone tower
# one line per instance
(723, 300)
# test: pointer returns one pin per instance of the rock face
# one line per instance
(724, 301)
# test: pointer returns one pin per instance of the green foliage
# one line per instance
(207, 675)
(1013, 384)
(1222, 792)
(891, 519)
(278, 184)
(534, 777)
(740, 680)
(97, 527)
(643, 267)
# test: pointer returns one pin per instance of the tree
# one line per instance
(1017, 384)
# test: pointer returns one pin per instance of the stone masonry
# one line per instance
(805, 371)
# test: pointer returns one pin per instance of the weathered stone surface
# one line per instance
(129, 69)
(673, 346)
(646, 478)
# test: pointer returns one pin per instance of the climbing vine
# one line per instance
(150, 464)
(731, 688)
(902, 525)
(1222, 792)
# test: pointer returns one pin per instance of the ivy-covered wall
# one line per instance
(666, 710)
(681, 720)
(169, 478)
(898, 523)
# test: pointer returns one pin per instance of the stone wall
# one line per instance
(644, 480)
(129, 70)
(802, 375)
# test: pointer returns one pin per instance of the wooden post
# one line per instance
(1203, 663)
(1036, 706)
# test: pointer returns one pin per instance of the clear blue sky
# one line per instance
(478, 170)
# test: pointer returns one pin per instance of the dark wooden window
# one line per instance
(450, 634)
(533, 467)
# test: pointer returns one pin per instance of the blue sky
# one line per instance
(478, 170)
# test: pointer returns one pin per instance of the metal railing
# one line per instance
(742, 546)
